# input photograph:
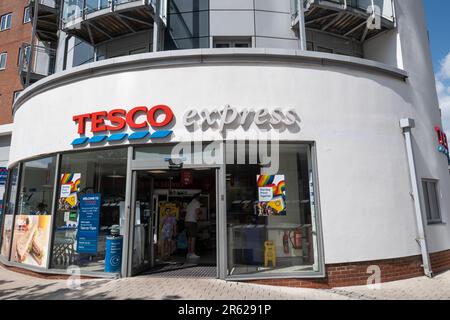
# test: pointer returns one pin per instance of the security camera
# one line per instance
(175, 164)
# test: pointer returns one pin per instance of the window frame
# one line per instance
(319, 269)
(25, 46)
(16, 94)
(8, 17)
(3, 54)
(426, 182)
(25, 10)
(232, 42)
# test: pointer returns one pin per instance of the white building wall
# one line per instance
(425, 110)
(363, 177)
(267, 22)
(385, 48)
(5, 142)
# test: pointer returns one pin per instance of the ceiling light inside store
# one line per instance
(157, 171)
(115, 175)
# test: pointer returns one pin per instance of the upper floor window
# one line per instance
(232, 43)
(431, 200)
(24, 56)
(16, 95)
(26, 15)
(5, 22)
(3, 57)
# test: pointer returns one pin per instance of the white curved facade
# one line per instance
(349, 108)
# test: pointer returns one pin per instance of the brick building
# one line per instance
(15, 30)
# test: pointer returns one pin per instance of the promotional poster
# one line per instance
(271, 195)
(70, 186)
(30, 241)
(88, 224)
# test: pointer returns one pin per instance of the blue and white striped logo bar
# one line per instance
(118, 137)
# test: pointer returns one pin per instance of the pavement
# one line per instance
(24, 287)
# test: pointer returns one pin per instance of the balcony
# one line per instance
(47, 22)
(35, 62)
(96, 21)
(356, 20)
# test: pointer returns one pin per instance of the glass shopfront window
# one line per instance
(91, 201)
(3, 178)
(270, 217)
(8, 211)
(33, 217)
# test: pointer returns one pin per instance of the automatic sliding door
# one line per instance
(143, 222)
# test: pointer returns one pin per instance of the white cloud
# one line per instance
(440, 88)
(443, 91)
(444, 73)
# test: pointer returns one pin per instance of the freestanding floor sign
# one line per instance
(113, 257)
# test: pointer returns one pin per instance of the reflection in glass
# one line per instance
(33, 216)
(101, 173)
(10, 204)
(188, 25)
(269, 217)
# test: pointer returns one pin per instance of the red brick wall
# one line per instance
(440, 261)
(353, 274)
(10, 42)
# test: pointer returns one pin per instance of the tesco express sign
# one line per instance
(109, 125)
(116, 120)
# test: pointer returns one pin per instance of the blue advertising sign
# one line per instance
(88, 223)
(1, 207)
(113, 257)
(3, 176)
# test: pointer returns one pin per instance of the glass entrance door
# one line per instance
(175, 225)
(144, 220)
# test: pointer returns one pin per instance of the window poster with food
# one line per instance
(271, 195)
(31, 239)
(6, 236)
(70, 186)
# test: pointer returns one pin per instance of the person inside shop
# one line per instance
(41, 209)
(193, 212)
(168, 232)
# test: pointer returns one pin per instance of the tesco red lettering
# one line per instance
(131, 116)
(152, 116)
(98, 121)
(81, 120)
(117, 119)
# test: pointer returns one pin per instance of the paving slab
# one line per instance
(15, 285)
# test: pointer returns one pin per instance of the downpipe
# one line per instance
(407, 125)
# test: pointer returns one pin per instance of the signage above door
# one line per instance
(108, 126)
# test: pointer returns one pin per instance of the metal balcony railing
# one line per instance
(35, 63)
(355, 20)
(45, 14)
(47, 3)
(74, 9)
(386, 7)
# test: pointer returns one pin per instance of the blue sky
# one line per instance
(438, 27)
(438, 22)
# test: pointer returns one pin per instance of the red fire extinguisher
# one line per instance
(296, 240)
(286, 242)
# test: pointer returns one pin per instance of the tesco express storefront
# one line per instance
(102, 154)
